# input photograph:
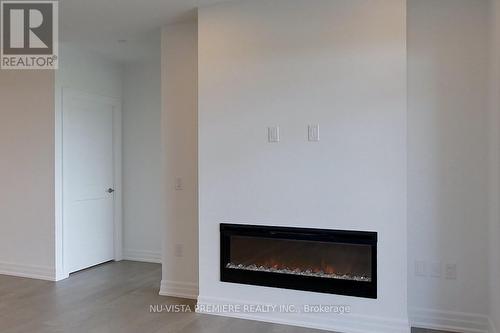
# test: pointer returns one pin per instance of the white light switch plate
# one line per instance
(179, 250)
(451, 272)
(313, 133)
(273, 134)
(435, 269)
(420, 268)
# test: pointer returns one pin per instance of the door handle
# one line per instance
(110, 190)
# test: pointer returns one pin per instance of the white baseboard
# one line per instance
(62, 276)
(28, 271)
(450, 321)
(179, 289)
(493, 328)
(345, 323)
(144, 256)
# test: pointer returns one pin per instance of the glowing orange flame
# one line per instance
(297, 267)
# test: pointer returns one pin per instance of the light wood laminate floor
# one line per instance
(111, 298)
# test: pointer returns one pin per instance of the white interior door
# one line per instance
(88, 179)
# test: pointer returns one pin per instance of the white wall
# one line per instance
(89, 72)
(494, 230)
(448, 161)
(27, 173)
(179, 118)
(341, 64)
(142, 160)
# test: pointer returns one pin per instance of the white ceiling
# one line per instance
(98, 24)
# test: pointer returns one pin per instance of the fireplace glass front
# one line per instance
(331, 261)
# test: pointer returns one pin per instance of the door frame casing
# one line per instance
(61, 94)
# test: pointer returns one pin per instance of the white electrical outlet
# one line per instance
(420, 268)
(273, 134)
(435, 269)
(451, 272)
(313, 133)
(179, 250)
(178, 184)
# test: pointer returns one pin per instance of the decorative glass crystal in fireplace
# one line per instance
(301, 257)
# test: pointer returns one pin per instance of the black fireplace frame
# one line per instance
(366, 289)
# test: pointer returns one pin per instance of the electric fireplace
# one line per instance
(319, 260)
